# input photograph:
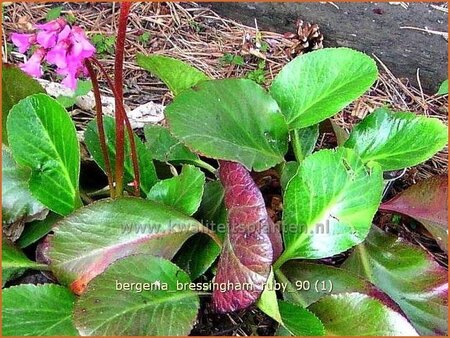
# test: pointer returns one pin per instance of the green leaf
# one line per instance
(42, 136)
(211, 213)
(340, 133)
(183, 192)
(108, 308)
(17, 201)
(268, 302)
(164, 147)
(85, 242)
(443, 88)
(83, 88)
(16, 85)
(317, 85)
(397, 140)
(53, 13)
(146, 168)
(35, 230)
(14, 262)
(408, 275)
(300, 321)
(329, 204)
(176, 74)
(304, 140)
(231, 119)
(360, 315)
(37, 310)
(288, 171)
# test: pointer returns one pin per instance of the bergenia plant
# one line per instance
(186, 226)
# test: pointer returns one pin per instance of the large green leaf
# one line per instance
(231, 119)
(37, 310)
(155, 306)
(17, 201)
(87, 241)
(408, 275)
(164, 147)
(329, 204)
(14, 262)
(397, 140)
(146, 168)
(317, 85)
(16, 85)
(360, 315)
(211, 213)
(299, 321)
(176, 74)
(183, 192)
(42, 136)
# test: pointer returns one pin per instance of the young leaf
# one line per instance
(42, 136)
(37, 310)
(397, 140)
(329, 204)
(91, 238)
(425, 201)
(146, 168)
(443, 88)
(164, 147)
(183, 192)
(304, 140)
(211, 213)
(157, 306)
(268, 302)
(14, 262)
(408, 275)
(241, 123)
(247, 252)
(35, 230)
(360, 315)
(176, 74)
(317, 85)
(17, 201)
(299, 321)
(16, 85)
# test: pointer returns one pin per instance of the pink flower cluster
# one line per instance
(58, 44)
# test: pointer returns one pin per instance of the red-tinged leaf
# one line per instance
(247, 252)
(426, 202)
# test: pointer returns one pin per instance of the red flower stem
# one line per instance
(121, 108)
(100, 127)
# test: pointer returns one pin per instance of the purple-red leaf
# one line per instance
(426, 202)
(247, 253)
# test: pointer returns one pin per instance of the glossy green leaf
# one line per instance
(317, 85)
(183, 192)
(397, 140)
(329, 204)
(426, 202)
(42, 136)
(157, 305)
(304, 140)
(360, 315)
(16, 85)
(443, 88)
(164, 147)
(176, 74)
(299, 321)
(35, 230)
(37, 310)
(212, 214)
(231, 119)
(14, 262)
(408, 275)
(17, 201)
(91, 238)
(146, 168)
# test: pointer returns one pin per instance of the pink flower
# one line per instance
(23, 41)
(49, 31)
(81, 45)
(33, 65)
